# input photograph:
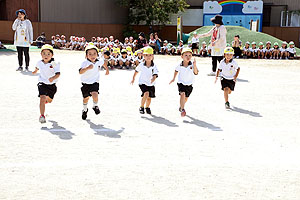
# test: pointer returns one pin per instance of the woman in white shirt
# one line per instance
(218, 41)
(23, 37)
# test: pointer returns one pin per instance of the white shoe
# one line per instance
(211, 74)
(42, 119)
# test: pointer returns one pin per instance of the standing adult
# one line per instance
(218, 41)
(23, 37)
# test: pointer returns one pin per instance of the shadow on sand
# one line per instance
(103, 131)
(160, 120)
(247, 112)
(60, 131)
(202, 124)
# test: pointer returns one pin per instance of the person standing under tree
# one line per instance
(218, 41)
(23, 37)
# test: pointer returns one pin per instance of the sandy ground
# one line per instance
(250, 152)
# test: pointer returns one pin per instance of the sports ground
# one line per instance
(249, 152)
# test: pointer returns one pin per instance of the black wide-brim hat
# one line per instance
(217, 19)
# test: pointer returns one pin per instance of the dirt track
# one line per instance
(251, 152)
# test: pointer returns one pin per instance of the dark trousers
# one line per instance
(215, 60)
(20, 55)
(237, 51)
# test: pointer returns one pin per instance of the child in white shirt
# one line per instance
(149, 73)
(230, 71)
(187, 71)
(49, 73)
(90, 77)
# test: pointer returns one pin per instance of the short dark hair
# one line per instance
(107, 53)
(237, 36)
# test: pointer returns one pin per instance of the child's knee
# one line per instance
(146, 94)
(43, 98)
(49, 100)
(182, 94)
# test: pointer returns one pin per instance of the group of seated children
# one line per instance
(286, 51)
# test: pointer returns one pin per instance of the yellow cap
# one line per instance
(47, 46)
(229, 50)
(148, 50)
(128, 48)
(186, 49)
(91, 46)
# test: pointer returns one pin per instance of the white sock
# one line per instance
(95, 104)
(85, 106)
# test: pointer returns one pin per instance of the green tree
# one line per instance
(152, 12)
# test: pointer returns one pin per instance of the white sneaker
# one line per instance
(42, 119)
(212, 74)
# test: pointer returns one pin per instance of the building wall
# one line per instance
(9, 7)
(292, 4)
(83, 11)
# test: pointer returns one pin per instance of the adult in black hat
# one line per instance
(218, 41)
(141, 41)
(23, 37)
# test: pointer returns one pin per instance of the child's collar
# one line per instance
(152, 63)
(190, 63)
(229, 60)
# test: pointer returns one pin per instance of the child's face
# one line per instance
(21, 16)
(180, 43)
(253, 46)
(106, 56)
(187, 56)
(148, 57)
(268, 45)
(247, 45)
(228, 56)
(261, 46)
(203, 45)
(283, 45)
(92, 55)
(236, 38)
(165, 44)
(46, 55)
(124, 55)
(291, 46)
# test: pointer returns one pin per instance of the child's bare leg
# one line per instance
(183, 100)
(43, 100)
(144, 98)
(49, 100)
(148, 102)
(95, 97)
(226, 92)
(86, 100)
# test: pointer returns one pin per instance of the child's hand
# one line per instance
(172, 81)
(51, 79)
(107, 72)
(132, 82)
(216, 80)
(234, 79)
(194, 63)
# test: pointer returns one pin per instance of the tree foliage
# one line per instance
(152, 12)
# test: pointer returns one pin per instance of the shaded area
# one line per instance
(248, 112)
(242, 80)
(60, 131)
(103, 131)
(160, 120)
(202, 124)
(29, 73)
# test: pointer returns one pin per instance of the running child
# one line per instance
(230, 71)
(149, 73)
(49, 73)
(90, 76)
(187, 71)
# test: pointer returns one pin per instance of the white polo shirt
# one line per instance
(146, 73)
(47, 71)
(92, 75)
(291, 50)
(229, 69)
(195, 40)
(186, 75)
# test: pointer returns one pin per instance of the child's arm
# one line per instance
(237, 74)
(217, 75)
(195, 67)
(105, 67)
(175, 74)
(35, 71)
(133, 78)
(83, 70)
(154, 78)
(57, 74)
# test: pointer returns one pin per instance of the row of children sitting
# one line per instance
(286, 51)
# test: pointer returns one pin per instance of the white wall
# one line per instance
(191, 17)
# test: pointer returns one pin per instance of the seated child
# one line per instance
(138, 58)
(283, 50)
(164, 48)
(246, 50)
(291, 50)
(203, 49)
(268, 50)
(260, 51)
(124, 59)
(41, 40)
(179, 48)
(276, 51)
(253, 50)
